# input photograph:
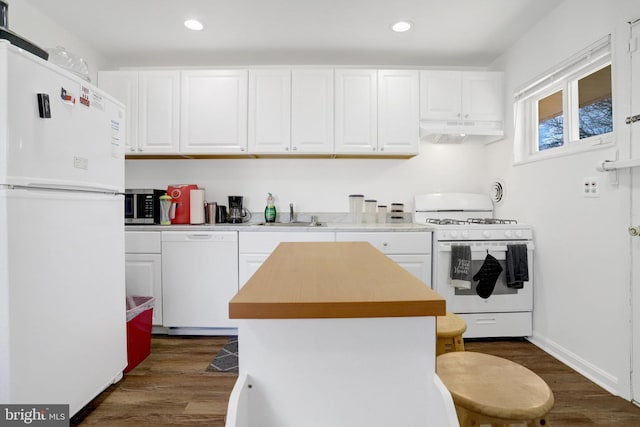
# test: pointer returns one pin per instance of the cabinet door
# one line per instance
(249, 264)
(356, 111)
(199, 277)
(254, 248)
(410, 250)
(312, 111)
(159, 111)
(440, 95)
(398, 111)
(482, 96)
(213, 111)
(418, 265)
(269, 111)
(143, 276)
(123, 85)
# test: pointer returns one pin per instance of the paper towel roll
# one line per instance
(196, 206)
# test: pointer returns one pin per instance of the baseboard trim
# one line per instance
(607, 381)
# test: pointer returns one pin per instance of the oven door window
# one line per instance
(477, 259)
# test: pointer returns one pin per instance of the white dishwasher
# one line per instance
(199, 277)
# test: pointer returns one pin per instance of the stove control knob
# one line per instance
(518, 233)
(465, 234)
(508, 233)
(454, 234)
(486, 234)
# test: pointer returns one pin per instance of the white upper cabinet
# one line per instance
(356, 111)
(482, 100)
(273, 112)
(312, 111)
(441, 97)
(269, 111)
(461, 95)
(398, 111)
(123, 85)
(152, 101)
(159, 111)
(213, 111)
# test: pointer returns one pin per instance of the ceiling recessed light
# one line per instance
(193, 24)
(401, 26)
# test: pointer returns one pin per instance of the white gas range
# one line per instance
(492, 302)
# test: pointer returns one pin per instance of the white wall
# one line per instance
(321, 185)
(582, 259)
(32, 25)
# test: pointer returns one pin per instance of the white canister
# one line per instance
(356, 202)
(370, 211)
(382, 214)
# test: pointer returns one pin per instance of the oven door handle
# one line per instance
(446, 247)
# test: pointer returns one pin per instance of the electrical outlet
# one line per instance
(591, 186)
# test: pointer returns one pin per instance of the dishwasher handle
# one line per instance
(199, 236)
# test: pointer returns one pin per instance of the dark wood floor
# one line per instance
(171, 387)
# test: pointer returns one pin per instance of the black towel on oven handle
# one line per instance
(517, 265)
(487, 276)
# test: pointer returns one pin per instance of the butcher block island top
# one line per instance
(333, 280)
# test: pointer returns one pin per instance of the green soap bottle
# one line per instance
(270, 210)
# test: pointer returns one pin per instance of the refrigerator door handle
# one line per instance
(64, 187)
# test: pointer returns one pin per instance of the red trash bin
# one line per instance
(139, 315)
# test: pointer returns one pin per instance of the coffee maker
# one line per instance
(236, 211)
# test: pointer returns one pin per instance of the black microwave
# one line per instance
(142, 206)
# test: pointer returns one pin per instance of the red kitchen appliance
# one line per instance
(181, 196)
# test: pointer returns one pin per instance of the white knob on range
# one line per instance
(486, 234)
(454, 234)
(508, 233)
(518, 233)
(465, 234)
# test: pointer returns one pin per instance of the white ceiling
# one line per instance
(256, 32)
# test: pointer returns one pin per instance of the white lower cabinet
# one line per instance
(255, 247)
(143, 271)
(411, 250)
(199, 277)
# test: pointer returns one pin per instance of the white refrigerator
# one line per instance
(62, 285)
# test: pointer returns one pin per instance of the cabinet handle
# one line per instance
(385, 244)
(286, 148)
(634, 231)
(294, 148)
(241, 148)
(466, 116)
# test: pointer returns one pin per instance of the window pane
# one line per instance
(550, 121)
(594, 103)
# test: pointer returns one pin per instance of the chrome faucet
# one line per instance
(291, 217)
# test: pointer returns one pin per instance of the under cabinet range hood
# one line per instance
(460, 131)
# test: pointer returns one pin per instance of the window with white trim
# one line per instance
(568, 109)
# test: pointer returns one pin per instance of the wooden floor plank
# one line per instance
(172, 387)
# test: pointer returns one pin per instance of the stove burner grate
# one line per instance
(491, 221)
(486, 221)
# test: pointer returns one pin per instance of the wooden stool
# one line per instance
(491, 390)
(449, 330)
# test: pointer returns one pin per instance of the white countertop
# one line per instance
(253, 227)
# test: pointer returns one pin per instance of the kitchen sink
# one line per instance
(291, 224)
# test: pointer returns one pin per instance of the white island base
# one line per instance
(345, 372)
